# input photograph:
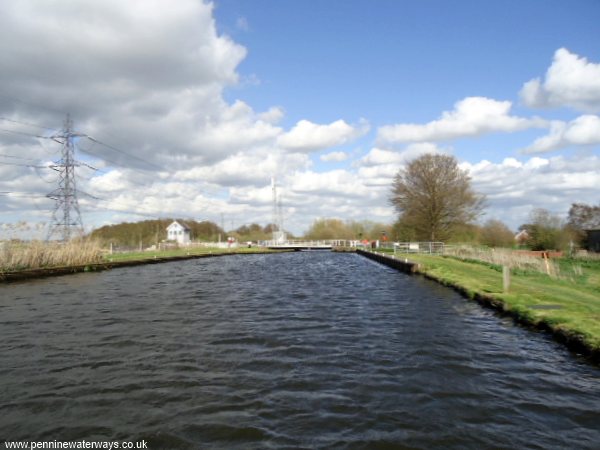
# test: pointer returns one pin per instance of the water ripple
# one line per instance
(305, 350)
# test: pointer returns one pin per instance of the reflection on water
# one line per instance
(303, 350)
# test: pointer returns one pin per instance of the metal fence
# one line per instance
(433, 248)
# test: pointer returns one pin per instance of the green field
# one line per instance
(568, 303)
(175, 253)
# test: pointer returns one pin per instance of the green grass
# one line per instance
(141, 256)
(570, 304)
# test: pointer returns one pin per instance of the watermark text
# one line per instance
(110, 445)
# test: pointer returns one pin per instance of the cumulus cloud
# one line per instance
(334, 157)
(378, 156)
(379, 166)
(139, 75)
(246, 169)
(570, 81)
(472, 116)
(582, 131)
(147, 79)
(308, 137)
(513, 188)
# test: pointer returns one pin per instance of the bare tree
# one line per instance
(433, 196)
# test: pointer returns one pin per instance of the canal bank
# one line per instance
(44, 272)
(534, 309)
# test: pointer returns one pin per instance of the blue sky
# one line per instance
(330, 97)
(400, 61)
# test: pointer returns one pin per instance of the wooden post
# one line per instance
(505, 278)
(545, 254)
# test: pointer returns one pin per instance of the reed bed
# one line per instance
(505, 257)
(37, 254)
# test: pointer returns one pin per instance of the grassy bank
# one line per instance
(567, 301)
(175, 253)
(37, 259)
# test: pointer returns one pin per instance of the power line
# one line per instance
(66, 215)
(148, 163)
(42, 178)
(17, 157)
(35, 105)
(21, 194)
(22, 133)
(26, 123)
(24, 165)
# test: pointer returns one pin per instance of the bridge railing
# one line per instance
(419, 247)
(307, 243)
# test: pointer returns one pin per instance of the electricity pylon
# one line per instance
(278, 233)
(66, 217)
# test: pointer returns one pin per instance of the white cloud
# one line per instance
(217, 156)
(273, 115)
(334, 157)
(307, 136)
(113, 181)
(379, 156)
(334, 182)
(570, 81)
(582, 131)
(246, 169)
(114, 73)
(472, 116)
(513, 188)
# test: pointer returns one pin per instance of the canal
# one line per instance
(298, 350)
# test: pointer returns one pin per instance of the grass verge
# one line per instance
(39, 259)
(569, 307)
(181, 252)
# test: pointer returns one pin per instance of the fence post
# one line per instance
(545, 255)
(505, 278)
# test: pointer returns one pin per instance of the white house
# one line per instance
(179, 233)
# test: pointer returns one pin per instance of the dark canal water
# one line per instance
(304, 350)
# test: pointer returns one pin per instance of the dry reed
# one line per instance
(36, 254)
(505, 257)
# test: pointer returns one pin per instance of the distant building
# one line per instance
(521, 237)
(593, 240)
(179, 233)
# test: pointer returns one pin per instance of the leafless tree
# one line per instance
(433, 195)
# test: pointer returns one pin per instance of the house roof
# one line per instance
(182, 225)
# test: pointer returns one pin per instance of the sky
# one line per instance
(189, 109)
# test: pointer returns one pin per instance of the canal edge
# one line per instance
(573, 341)
(46, 272)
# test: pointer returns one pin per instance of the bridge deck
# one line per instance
(300, 247)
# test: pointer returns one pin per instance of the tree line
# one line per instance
(434, 200)
(154, 231)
